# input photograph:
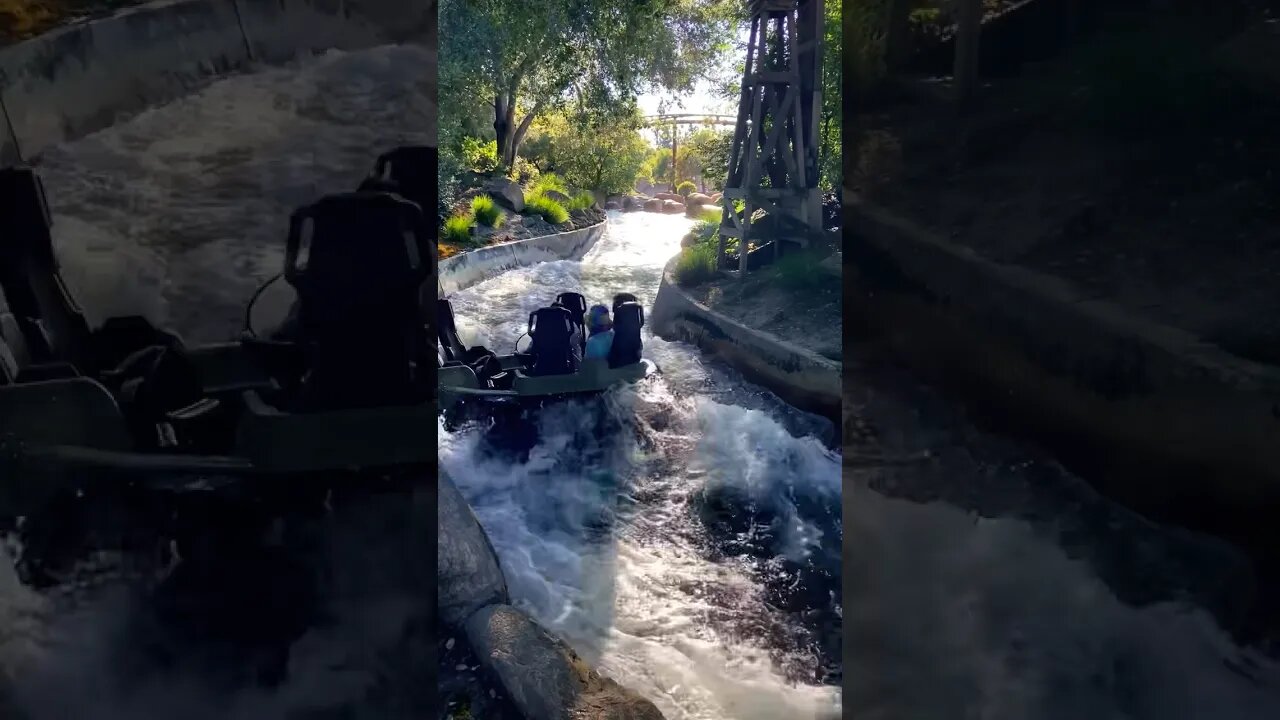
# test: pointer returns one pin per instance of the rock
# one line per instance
(557, 196)
(694, 210)
(543, 676)
(689, 240)
(715, 197)
(506, 193)
(654, 204)
(698, 199)
(468, 575)
(672, 207)
(674, 197)
(612, 205)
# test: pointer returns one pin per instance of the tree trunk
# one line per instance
(898, 36)
(969, 27)
(504, 126)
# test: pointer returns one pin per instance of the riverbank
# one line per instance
(798, 300)
(779, 326)
(23, 19)
(1142, 184)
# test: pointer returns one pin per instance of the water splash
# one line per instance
(603, 535)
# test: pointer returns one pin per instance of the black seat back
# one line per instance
(411, 172)
(551, 329)
(628, 318)
(450, 344)
(358, 279)
(576, 304)
(623, 298)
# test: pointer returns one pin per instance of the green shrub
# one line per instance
(548, 181)
(480, 156)
(550, 210)
(685, 188)
(457, 229)
(696, 264)
(524, 171)
(581, 201)
(486, 211)
(712, 216)
(706, 230)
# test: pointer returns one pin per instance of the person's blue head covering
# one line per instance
(598, 319)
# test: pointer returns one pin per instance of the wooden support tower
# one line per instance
(773, 163)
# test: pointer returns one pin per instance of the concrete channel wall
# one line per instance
(469, 268)
(542, 676)
(803, 378)
(1173, 425)
(78, 79)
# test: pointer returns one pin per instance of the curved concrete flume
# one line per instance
(84, 77)
(801, 377)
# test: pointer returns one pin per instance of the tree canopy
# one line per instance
(522, 58)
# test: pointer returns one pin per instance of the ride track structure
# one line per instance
(776, 137)
(675, 120)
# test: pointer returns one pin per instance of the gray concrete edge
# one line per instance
(514, 680)
(799, 376)
(83, 77)
(466, 269)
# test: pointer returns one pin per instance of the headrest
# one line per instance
(550, 319)
(575, 302)
(628, 312)
(414, 171)
(351, 239)
(623, 298)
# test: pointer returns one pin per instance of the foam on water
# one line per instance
(960, 616)
(178, 214)
(598, 528)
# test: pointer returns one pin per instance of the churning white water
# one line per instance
(182, 211)
(692, 547)
(663, 529)
(178, 214)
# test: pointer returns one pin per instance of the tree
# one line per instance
(709, 149)
(830, 136)
(529, 57)
(603, 156)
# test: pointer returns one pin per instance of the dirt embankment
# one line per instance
(1136, 166)
(798, 301)
(22, 19)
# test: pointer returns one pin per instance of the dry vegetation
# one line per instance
(21, 19)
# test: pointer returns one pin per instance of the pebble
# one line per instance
(448, 644)
(460, 667)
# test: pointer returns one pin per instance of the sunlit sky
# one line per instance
(703, 98)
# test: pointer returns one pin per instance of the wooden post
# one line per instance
(969, 27)
(675, 158)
